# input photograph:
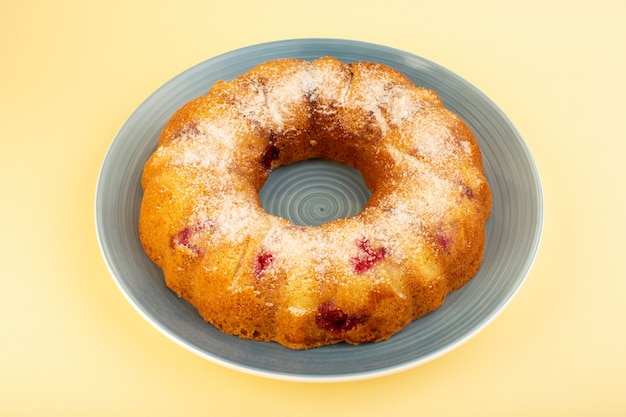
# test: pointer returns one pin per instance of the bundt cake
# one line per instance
(358, 279)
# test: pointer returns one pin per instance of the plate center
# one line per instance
(314, 192)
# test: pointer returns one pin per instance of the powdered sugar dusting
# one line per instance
(234, 218)
(373, 94)
(388, 101)
(215, 146)
(298, 311)
(272, 102)
(430, 188)
(237, 218)
(416, 136)
(281, 97)
(421, 143)
(403, 107)
(208, 144)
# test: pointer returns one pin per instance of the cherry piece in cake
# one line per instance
(262, 262)
(186, 235)
(270, 154)
(367, 256)
(332, 318)
(445, 237)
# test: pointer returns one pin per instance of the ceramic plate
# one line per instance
(513, 231)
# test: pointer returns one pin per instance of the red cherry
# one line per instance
(185, 236)
(331, 318)
(445, 237)
(367, 256)
(262, 262)
(270, 154)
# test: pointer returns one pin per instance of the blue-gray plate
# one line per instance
(513, 231)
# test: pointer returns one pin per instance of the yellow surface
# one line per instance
(73, 71)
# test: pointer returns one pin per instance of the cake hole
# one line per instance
(314, 192)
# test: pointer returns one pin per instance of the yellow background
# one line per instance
(71, 72)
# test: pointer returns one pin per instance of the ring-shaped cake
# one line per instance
(358, 279)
